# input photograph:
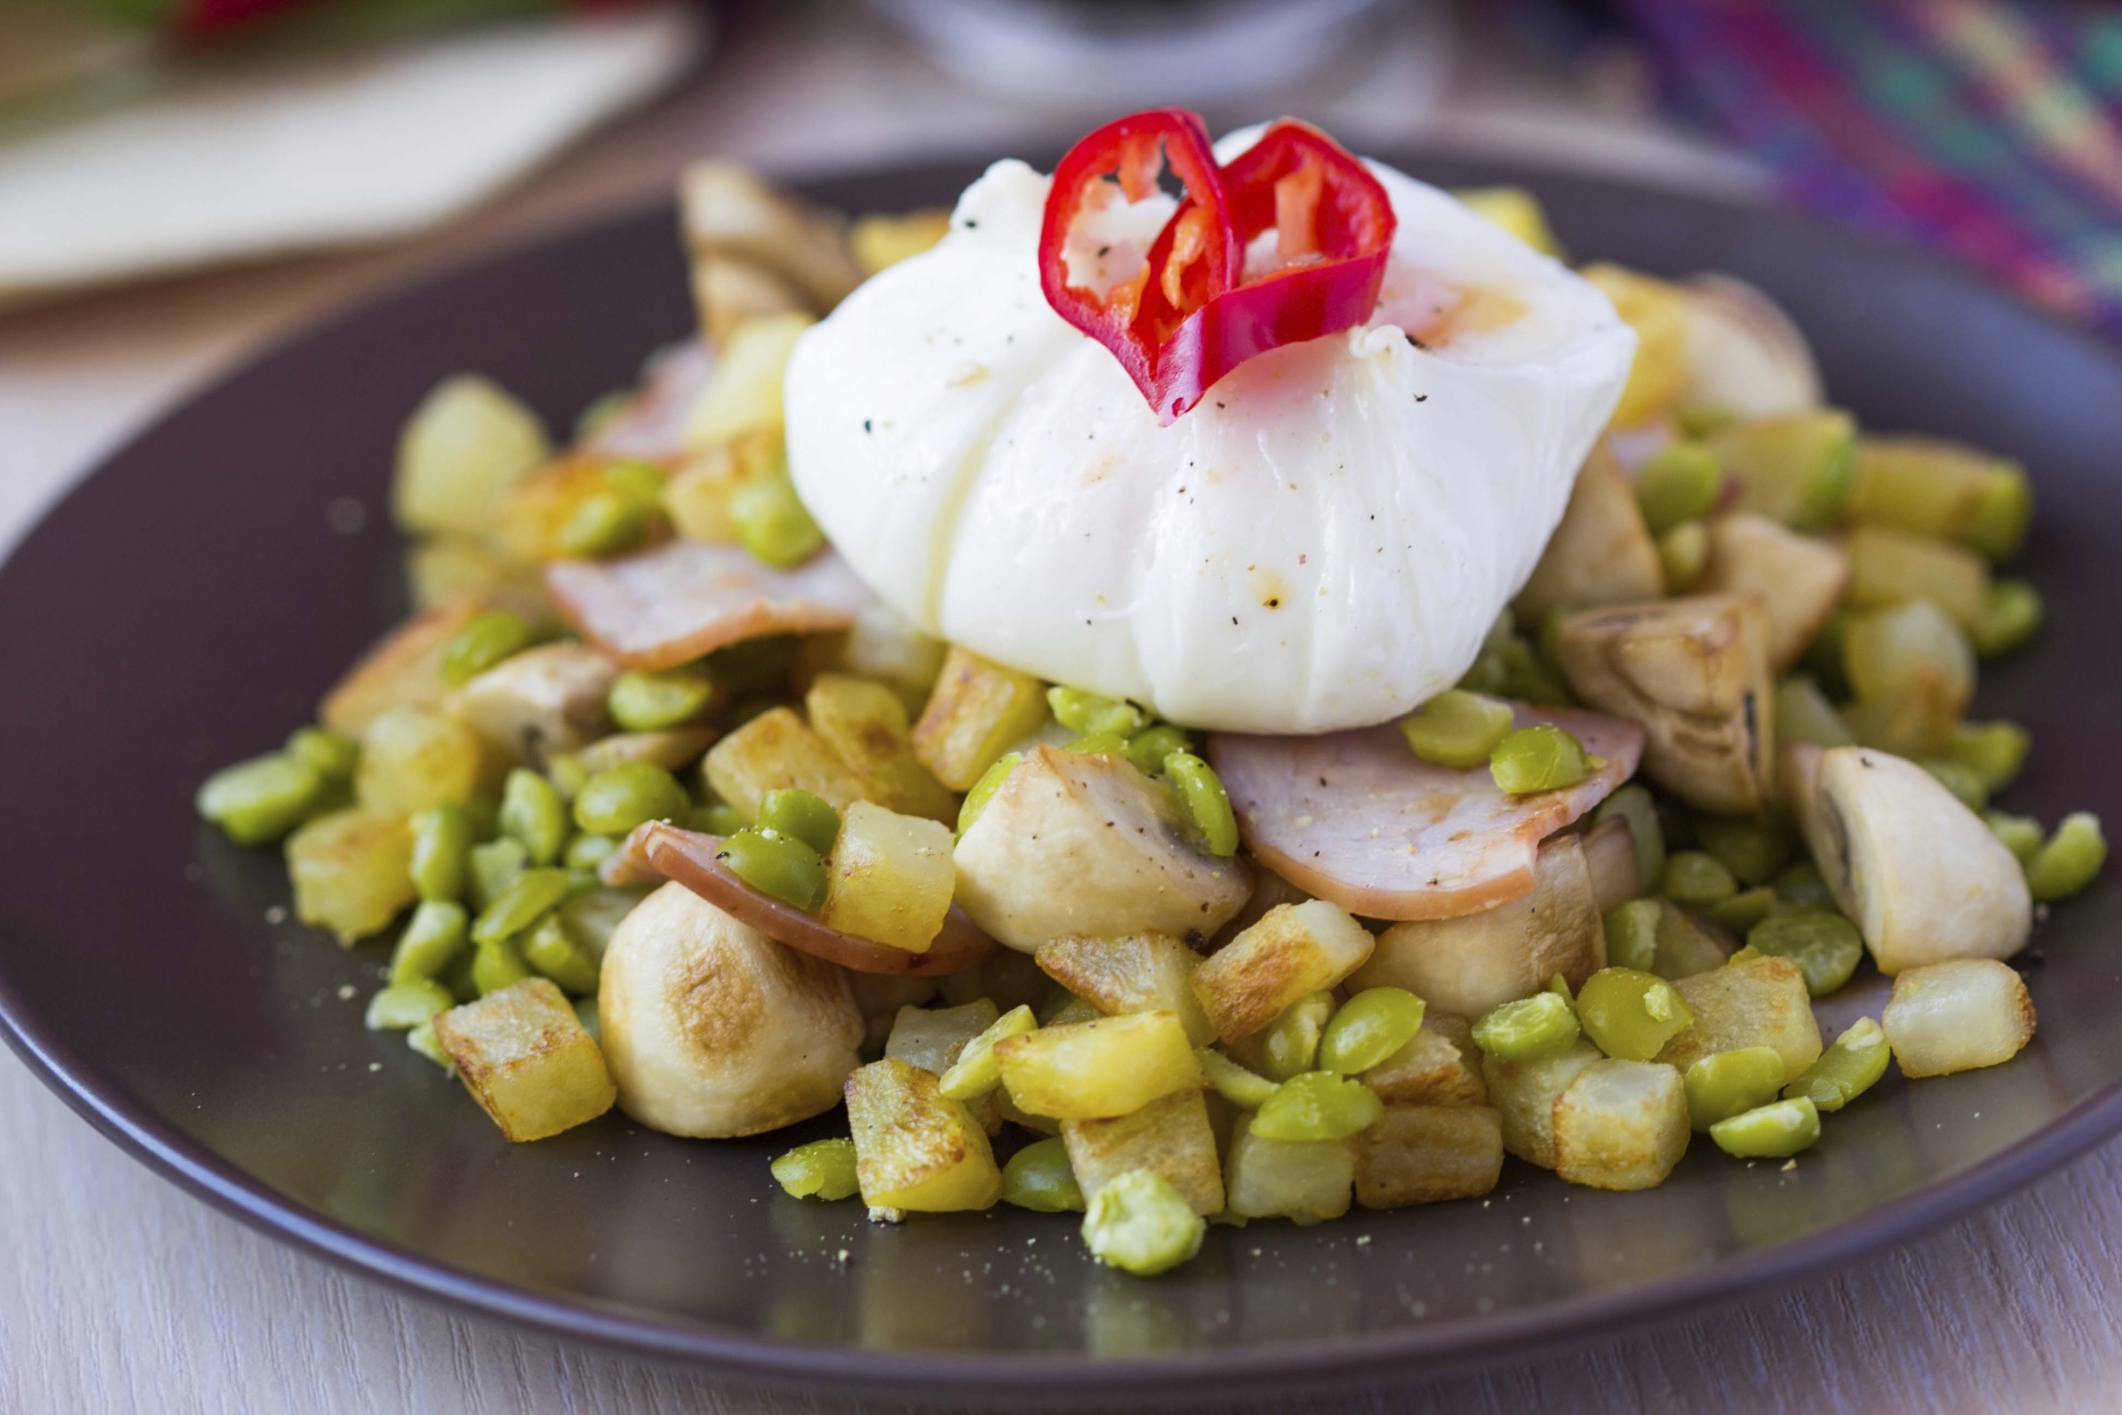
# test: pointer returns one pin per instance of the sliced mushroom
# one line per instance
(728, 290)
(1616, 870)
(728, 211)
(546, 700)
(1602, 553)
(1073, 843)
(1800, 578)
(712, 1029)
(1744, 356)
(1695, 673)
(1922, 876)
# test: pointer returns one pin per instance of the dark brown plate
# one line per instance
(190, 602)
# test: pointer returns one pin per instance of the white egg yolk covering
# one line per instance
(1321, 543)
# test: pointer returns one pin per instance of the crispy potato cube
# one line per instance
(403, 670)
(464, 445)
(1800, 579)
(881, 239)
(1144, 972)
(1170, 1136)
(1524, 1093)
(411, 760)
(1752, 1002)
(866, 724)
(743, 393)
(352, 871)
(976, 713)
(1472, 963)
(526, 1059)
(1889, 567)
(540, 702)
(1938, 488)
(534, 513)
(1956, 1016)
(1616, 869)
(890, 877)
(1294, 949)
(1441, 1066)
(1602, 553)
(774, 751)
(915, 1148)
(698, 495)
(1305, 1181)
(1658, 313)
(1621, 1125)
(1100, 1069)
(1424, 1154)
(932, 1038)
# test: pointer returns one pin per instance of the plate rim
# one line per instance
(1400, 1355)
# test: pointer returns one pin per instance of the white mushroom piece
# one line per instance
(1920, 874)
(1602, 553)
(711, 1029)
(541, 702)
(1078, 844)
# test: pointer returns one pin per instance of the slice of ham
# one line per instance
(688, 857)
(668, 606)
(1358, 819)
(651, 424)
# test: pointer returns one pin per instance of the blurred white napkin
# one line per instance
(324, 151)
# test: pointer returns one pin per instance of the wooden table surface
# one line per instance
(119, 1293)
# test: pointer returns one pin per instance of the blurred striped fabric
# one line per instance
(1988, 130)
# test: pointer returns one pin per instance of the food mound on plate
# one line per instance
(1212, 686)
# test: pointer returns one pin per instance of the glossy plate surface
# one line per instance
(189, 604)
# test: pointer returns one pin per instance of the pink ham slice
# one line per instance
(651, 424)
(1358, 819)
(670, 605)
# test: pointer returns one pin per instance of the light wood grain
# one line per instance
(119, 1293)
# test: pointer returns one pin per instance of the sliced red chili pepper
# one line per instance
(1196, 257)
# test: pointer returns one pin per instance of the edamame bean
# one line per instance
(1368, 1028)
(422, 1039)
(1731, 1083)
(1317, 1105)
(1846, 1070)
(1148, 749)
(1201, 792)
(613, 802)
(777, 865)
(1139, 1223)
(2022, 835)
(1242, 1088)
(1088, 713)
(985, 788)
(1683, 554)
(1803, 714)
(433, 937)
(1680, 482)
(403, 1006)
(1040, 1178)
(485, 641)
(1291, 1046)
(2070, 860)
(605, 523)
(1743, 910)
(1456, 729)
(258, 801)
(442, 847)
(518, 906)
(1994, 751)
(2010, 616)
(549, 950)
(1802, 884)
(1965, 783)
(1697, 877)
(1098, 744)
(333, 756)
(533, 814)
(771, 521)
(567, 774)
(587, 852)
(1774, 1131)
(497, 965)
(801, 816)
(639, 482)
(493, 867)
(1632, 935)
(717, 818)
(1630, 1014)
(976, 1071)
(655, 702)
(1753, 850)
(1633, 804)
(1529, 1029)
(1542, 757)
(823, 1169)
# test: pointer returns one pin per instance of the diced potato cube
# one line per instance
(889, 878)
(882, 645)
(1657, 312)
(881, 239)
(1472, 963)
(866, 724)
(1145, 972)
(464, 445)
(448, 568)
(1517, 211)
(1956, 1016)
(743, 394)
(932, 1038)
(540, 702)
(1170, 1136)
(1799, 578)
(1794, 467)
(1602, 553)
(1751, 1002)
(526, 1059)
(403, 670)
(915, 1148)
(1889, 567)
(1441, 1066)
(1424, 1154)
(352, 871)
(776, 751)
(697, 497)
(411, 760)
(1295, 949)
(1524, 1094)
(1938, 488)
(1100, 1069)
(978, 711)
(1306, 1181)
(1621, 1125)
